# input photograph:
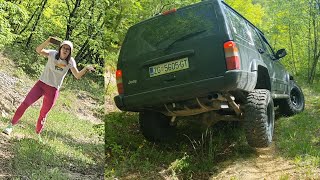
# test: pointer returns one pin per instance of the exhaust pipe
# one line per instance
(216, 96)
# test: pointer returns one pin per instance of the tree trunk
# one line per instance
(72, 15)
(316, 51)
(309, 45)
(292, 50)
(44, 2)
(85, 47)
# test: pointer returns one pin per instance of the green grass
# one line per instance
(69, 145)
(197, 153)
(298, 137)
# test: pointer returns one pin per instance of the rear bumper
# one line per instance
(230, 81)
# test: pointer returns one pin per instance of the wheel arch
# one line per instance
(263, 78)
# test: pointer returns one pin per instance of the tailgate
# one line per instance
(174, 49)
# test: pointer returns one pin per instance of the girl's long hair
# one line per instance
(58, 55)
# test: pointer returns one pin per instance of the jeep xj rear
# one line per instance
(203, 59)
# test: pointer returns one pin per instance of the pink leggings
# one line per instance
(39, 89)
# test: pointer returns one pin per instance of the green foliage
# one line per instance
(31, 22)
(252, 11)
(11, 15)
(177, 166)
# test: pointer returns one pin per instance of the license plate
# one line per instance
(169, 67)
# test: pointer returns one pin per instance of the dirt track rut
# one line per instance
(267, 165)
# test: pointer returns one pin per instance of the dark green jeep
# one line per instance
(207, 61)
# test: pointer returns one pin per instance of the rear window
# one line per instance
(160, 32)
(238, 25)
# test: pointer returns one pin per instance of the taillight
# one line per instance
(119, 81)
(169, 11)
(232, 55)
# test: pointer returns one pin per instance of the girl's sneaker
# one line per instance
(39, 138)
(8, 130)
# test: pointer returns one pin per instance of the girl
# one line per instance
(50, 81)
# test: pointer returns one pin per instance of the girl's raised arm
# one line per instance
(40, 49)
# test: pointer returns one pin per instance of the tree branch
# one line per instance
(68, 6)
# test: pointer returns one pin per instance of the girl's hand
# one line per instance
(90, 68)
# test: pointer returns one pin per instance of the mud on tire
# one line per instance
(259, 118)
(295, 103)
(155, 126)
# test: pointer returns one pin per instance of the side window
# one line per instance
(267, 46)
(256, 39)
(260, 42)
(238, 25)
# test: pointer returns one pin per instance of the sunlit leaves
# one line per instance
(253, 12)
(11, 16)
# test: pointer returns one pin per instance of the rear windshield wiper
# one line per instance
(185, 37)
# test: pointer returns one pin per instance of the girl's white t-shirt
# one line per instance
(55, 70)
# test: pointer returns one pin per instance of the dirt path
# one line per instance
(110, 84)
(5, 156)
(266, 165)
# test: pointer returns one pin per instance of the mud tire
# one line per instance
(155, 126)
(295, 103)
(259, 118)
